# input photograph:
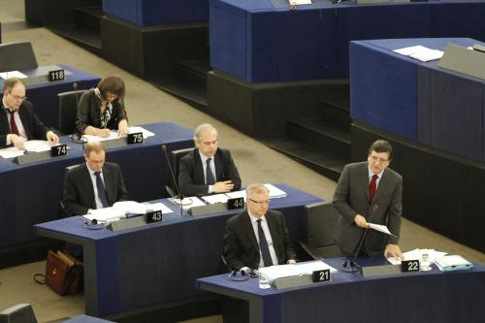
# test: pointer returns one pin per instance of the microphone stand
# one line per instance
(350, 266)
(179, 195)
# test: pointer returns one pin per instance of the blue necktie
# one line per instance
(263, 245)
(101, 191)
(208, 173)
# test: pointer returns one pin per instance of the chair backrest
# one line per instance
(17, 56)
(176, 155)
(20, 313)
(321, 223)
(67, 105)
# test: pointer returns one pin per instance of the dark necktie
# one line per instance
(13, 124)
(208, 173)
(263, 245)
(373, 187)
(101, 190)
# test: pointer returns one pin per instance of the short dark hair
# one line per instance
(112, 84)
(381, 146)
(10, 83)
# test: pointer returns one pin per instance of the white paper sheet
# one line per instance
(10, 152)
(188, 202)
(237, 194)
(16, 74)
(380, 228)
(421, 53)
(299, 2)
(37, 145)
(90, 138)
(417, 254)
(216, 198)
(107, 214)
(275, 192)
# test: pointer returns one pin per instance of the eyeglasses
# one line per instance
(18, 98)
(260, 202)
(377, 159)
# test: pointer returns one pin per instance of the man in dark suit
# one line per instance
(93, 185)
(369, 192)
(257, 237)
(18, 122)
(208, 169)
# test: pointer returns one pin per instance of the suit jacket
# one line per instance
(191, 174)
(352, 197)
(241, 246)
(34, 128)
(79, 193)
(89, 112)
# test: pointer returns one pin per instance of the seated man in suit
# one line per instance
(208, 169)
(369, 192)
(258, 237)
(93, 185)
(18, 122)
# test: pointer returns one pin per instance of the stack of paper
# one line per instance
(421, 53)
(90, 138)
(305, 268)
(274, 192)
(108, 214)
(188, 202)
(216, 198)
(452, 263)
(37, 145)
(418, 254)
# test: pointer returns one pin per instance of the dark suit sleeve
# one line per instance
(395, 211)
(232, 172)
(122, 191)
(341, 196)
(290, 252)
(34, 127)
(186, 178)
(71, 196)
(232, 246)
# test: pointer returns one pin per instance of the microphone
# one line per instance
(179, 194)
(350, 265)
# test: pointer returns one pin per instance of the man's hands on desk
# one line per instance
(221, 187)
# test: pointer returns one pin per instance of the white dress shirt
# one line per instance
(267, 234)
(92, 174)
(18, 122)
(212, 164)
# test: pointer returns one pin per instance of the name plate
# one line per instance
(56, 75)
(321, 275)
(135, 138)
(408, 266)
(59, 150)
(154, 216)
(236, 203)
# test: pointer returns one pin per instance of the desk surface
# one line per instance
(30, 193)
(253, 41)
(406, 297)
(157, 264)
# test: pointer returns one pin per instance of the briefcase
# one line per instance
(63, 273)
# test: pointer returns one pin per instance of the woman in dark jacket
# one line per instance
(102, 109)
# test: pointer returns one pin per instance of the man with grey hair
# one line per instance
(18, 121)
(258, 237)
(207, 169)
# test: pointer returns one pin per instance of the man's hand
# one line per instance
(392, 250)
(123, 128)
(52, 138)
(223, 187)
(361, 222)
(17, 141)
(103, 132)
(291, 261)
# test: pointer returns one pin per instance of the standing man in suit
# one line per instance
(208, 169)
(369, 192)
(257, 237)
(93, 185)
(18, 122)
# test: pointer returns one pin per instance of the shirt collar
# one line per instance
(379, 176)
(254, 219)
(204, 157)
(91, 172)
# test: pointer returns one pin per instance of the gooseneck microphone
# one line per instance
(179, 194)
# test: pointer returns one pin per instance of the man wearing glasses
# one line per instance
(207, 169)
(258, 237)
(369, 192)
(18, 122)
